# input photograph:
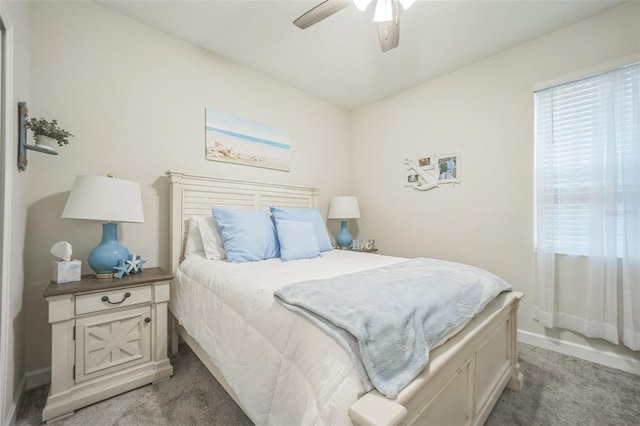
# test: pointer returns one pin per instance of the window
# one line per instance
(587, 145)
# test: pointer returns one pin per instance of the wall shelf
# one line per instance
(44, 149)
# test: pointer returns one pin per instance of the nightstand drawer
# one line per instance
(103, 300)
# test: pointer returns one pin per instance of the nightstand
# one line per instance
(373, 250)
(108, 336)
(360, 250)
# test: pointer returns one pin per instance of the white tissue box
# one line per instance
(65, 271)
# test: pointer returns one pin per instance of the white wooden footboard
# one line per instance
(464, 377)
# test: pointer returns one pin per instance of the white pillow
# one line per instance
(207, 242)
(194, 243)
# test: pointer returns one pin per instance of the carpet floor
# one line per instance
(558, 390)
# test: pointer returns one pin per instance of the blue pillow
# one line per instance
(247, 235)
(306, 215)
(297, 240)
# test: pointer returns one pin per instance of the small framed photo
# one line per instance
(449, 168)
(427, 162)
(411, 179)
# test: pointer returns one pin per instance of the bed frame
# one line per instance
(465, 376)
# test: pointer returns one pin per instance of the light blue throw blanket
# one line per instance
(388, 318)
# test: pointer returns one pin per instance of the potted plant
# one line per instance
(47, 134)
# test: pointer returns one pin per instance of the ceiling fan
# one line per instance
(386, 15)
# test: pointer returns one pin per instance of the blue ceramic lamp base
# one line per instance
(104, 257)
(344, 238)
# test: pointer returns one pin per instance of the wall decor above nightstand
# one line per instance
(108, 336)
(23, 146)
(47, 135)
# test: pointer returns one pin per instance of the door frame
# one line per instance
(7, 404)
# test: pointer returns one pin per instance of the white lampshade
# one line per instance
(344, 208)
(406, 4)
(104, 198)
(362, 4)
(384, 11)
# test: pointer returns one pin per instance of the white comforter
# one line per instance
(284, 369)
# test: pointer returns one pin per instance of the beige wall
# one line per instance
(485, 112)
(14, 352)
(135, 98)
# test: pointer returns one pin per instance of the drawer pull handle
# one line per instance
(147, 320)
(106, 299)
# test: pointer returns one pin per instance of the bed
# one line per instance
(308, 378)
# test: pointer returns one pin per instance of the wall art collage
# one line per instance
(427, 172)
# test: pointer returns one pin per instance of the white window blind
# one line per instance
(584, 140)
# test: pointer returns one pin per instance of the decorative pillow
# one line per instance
(247, 235)
(194, 239)
(306, 215)
(297, 240)
(211, 239)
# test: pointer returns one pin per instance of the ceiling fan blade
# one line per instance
(389, 32)
(320, 12)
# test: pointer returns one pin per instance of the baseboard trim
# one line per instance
(38, 377)
(609, 359)
(12, 414)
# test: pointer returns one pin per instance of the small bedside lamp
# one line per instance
(344, 208)
(108, 199)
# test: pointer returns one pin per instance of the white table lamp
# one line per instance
(344, 208)
(107, 199)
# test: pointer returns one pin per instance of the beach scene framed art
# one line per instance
(237, 140)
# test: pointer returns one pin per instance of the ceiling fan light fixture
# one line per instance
(362, 4)
(384, 11)
(386, 15)
(406, 4)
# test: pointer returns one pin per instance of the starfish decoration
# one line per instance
(134, 264)
(142, 262)
(121, 269)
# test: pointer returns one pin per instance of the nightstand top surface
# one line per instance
(372, 250)
(91, 283)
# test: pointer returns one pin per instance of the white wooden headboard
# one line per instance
(196, 194)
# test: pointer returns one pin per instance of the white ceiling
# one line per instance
(339, 59)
